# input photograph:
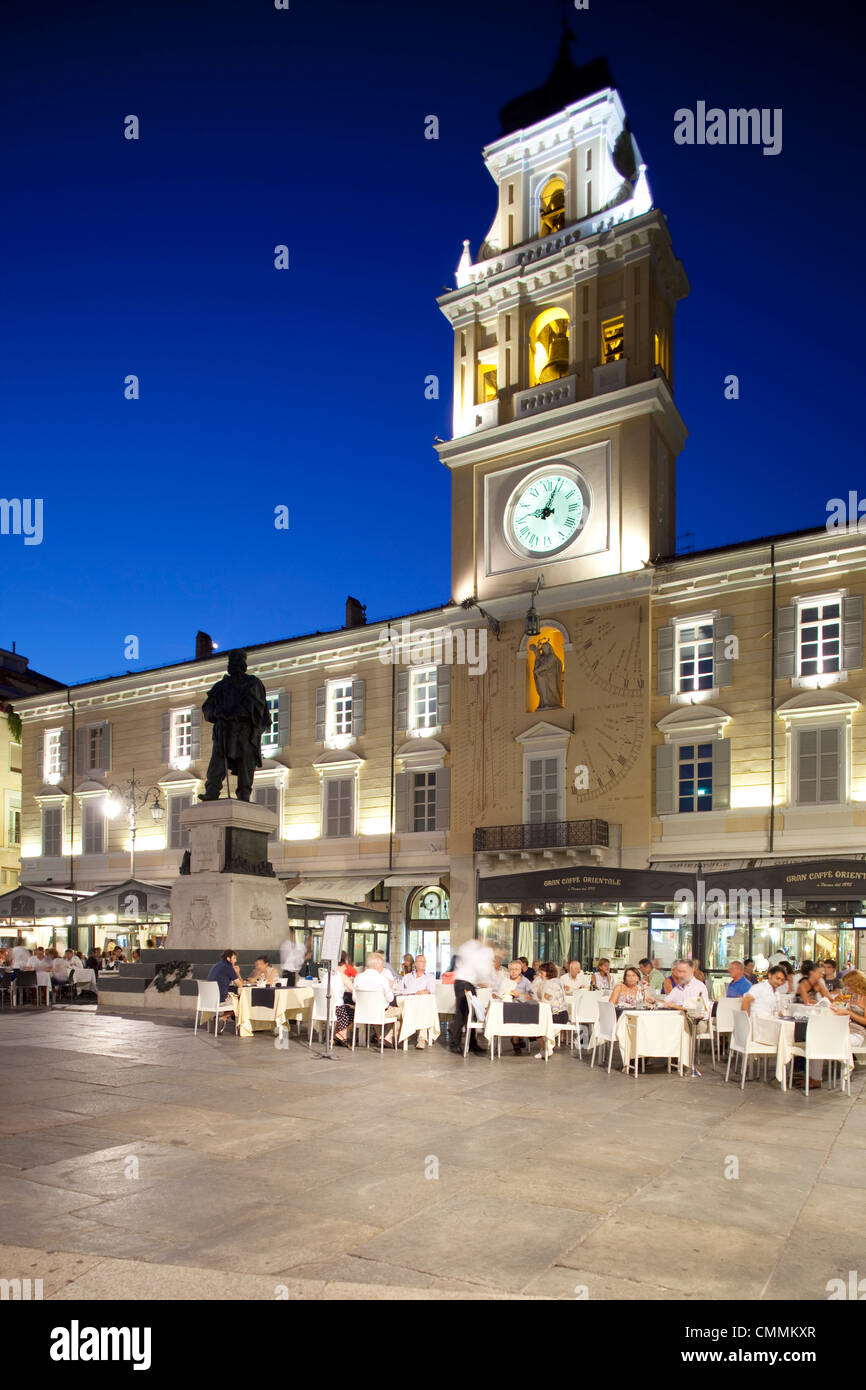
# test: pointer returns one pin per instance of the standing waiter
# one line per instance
(474, 967)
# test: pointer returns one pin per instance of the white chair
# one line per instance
(560, 1028)
(658, 1034)
(475, 1017)
(719, 1025)
(370, 1011)
(319, 1013)
(445, 1003)
(604, 1031)
(827, 1041)
(743, 1043)
(208, 1002)
(584, 1009)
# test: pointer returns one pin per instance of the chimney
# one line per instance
(203, 646)
(356, 612)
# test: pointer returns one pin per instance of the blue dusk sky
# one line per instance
(305, 387)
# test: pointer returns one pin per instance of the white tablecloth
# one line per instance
(779, 1032)
(288, 1004)
(656, 1019)
(84, 979)
(418, 1012)
(496, 1027)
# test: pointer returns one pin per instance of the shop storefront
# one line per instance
(367, 928)
(132, 915)
(32, 917)
(428, 927)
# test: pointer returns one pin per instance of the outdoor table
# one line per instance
(495, 1027)
(288, 1003)
(626, 1029)
(84, 979)
(417, 1012)
(779, 1033)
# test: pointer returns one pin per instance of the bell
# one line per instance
(553, 213)
(557, 355)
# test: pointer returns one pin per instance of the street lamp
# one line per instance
(132, 799)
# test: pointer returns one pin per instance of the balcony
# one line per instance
(538, 398)
(543, 835)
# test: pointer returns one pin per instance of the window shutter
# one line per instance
(270, 798)
(401, 803)
(64, 752)
(721, 774)
(358, 702)
(321, 704)
(284, 717)
(40, 757)
(666, 654)
(852, 633)
(403, 699)
(665, 804)
(81, 740)
(829, 765)
(443, 698)
(443, 798)
(723, 666)
(106, 746)
(195, 734)
(166, 738)
(786, 643)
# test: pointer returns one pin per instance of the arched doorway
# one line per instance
(428, 927)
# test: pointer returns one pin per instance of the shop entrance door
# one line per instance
(361, 942)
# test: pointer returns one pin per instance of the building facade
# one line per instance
(16, 682)
(596, 736)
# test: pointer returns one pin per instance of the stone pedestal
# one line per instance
(230, 898)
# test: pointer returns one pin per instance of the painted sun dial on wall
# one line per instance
(610, 728)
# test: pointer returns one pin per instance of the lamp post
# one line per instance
(132, 799)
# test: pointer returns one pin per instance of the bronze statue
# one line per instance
(547, 675)
(237, 706)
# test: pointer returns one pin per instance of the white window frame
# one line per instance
(430, 802)
(694, 723)
(334, 737)
(177, 759)
(271, 735)
(820, 601)
(695, 743)
(52, 755)
(695, 620)
(12, 746)
(13, 809)
(430, 677)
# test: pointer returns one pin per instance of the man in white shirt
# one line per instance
(374, 977)
(418, 981)
(73, 960)
(762, 997)
(574, 978)
(21, 958)
(475, 966)
(687, 990)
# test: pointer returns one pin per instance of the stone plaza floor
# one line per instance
(139, 1161)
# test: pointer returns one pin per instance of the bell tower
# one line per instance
(565, 432)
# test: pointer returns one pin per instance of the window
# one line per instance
(14, 757)
(93, 748)
(339, 807)
(271, 735)
(552, 207)
(543, 789)
(424, 801)
(548, 347)
(53, 753)
(695, 787)
(14, 828)
(269, 797)
(820, 638)
(694, 657)
(52, 831)
(340, 708)
(487, 383)
(92, 826)
(612, 339)
(181, 735)
(819, 766)
(424, 684)
(178, 836)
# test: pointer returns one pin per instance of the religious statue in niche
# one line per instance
(546, 674)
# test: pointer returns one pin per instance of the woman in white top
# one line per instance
(601, 977)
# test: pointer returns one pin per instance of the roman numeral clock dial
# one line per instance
(547, 511)
(610, 729)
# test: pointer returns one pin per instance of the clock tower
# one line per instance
(565, 432)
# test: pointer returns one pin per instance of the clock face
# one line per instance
(547, 511)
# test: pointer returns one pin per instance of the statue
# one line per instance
(237, 706)
(547, 675)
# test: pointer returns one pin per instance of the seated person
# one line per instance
(228, 977)
(346, 966)
(686, 989)
(420, 981)
(526, 968)
(632, 990)
(650, 972)
(854, 984)
(517, 989)
(832, 978)
(374, 977)
(408, 965)
(21, 958)
(764, 996)
(749, 971)
(698, 971)
(739, 985)
(263, 973)
(574, 979)
(59, 971)
(73, 960)
(601, 976)
(551, 989)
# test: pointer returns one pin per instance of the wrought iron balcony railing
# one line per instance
(556, 834)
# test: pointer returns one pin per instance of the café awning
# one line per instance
(338, 890)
